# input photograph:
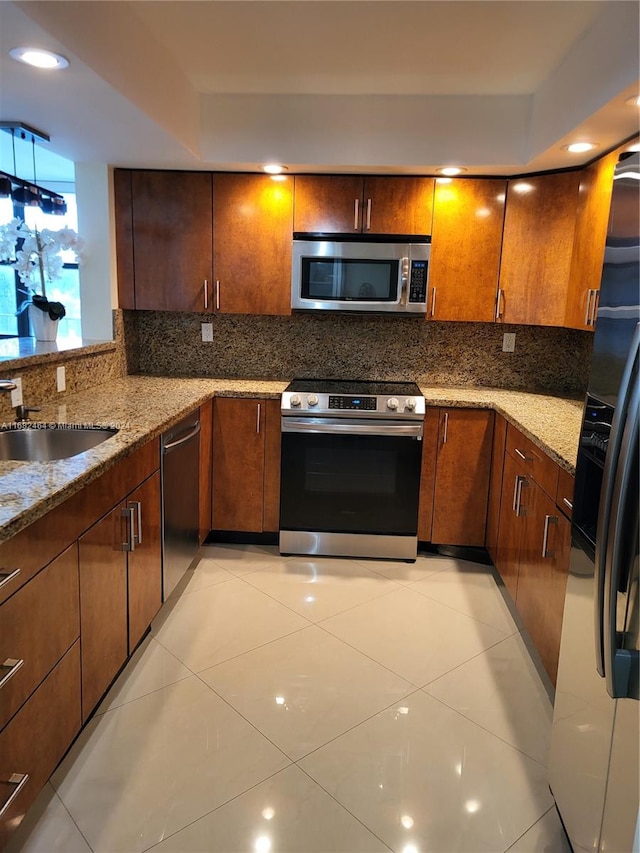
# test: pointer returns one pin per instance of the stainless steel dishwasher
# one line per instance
(180, 464)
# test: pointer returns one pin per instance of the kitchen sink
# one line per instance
(38, 443)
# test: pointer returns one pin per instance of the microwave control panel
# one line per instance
(418, 281)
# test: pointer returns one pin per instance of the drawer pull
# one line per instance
(567, 502)
(523, 455)
(137, 537)
(548, 519)
(18, 780)
(11, 666)
(6, 576)
(129, 514)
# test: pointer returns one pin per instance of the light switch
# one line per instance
(509, 342)
(16, 396)
(61, 379)
(207, 332)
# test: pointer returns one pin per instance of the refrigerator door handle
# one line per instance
(606, 497)
(619, 662)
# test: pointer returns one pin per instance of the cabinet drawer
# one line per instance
(540, 467)
(39, 624)
(564, 494)
(38, 736)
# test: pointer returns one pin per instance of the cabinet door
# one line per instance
(513, 509)
(495, 485)
(238, 463)
(594, 199)
(252, 220)
(103, 605)
(172, 240)
(462, 477)
(537, 249)
(271, 511)
(144, 569)
(328, 203)
(428, 473)
(36, 739)
(206, 465)
(465, 256)
(39, 624)
(544, 567)
(397, 205)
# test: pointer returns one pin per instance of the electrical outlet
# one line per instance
(207, 332)
(61, 379)
(509, 342)
(16, 396)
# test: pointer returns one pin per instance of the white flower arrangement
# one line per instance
(38, 260)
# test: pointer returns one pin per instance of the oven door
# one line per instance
(350, 476)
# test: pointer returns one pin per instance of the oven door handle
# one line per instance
(351, 427)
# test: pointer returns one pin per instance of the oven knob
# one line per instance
(312, 400)
(294, 400)
(411, 403)
(392, 403)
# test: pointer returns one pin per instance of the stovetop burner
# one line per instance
(352, 398)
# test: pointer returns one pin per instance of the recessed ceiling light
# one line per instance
(39, 58)
(274, 168)
(450, 171)
(634, 101)
(580, 147)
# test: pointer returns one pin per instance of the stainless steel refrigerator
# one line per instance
(593, 762)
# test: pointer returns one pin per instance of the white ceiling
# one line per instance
(326, 85)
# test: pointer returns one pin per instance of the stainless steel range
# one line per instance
(350, 477)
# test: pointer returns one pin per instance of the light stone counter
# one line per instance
(142, 407)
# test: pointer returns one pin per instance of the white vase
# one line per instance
(43, 328)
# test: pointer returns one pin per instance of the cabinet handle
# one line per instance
(548, 519)
(12, 666)
(523, 456)
(356, 214)
(206, 294)
(517, 495)
(433, 301)
(498, 296)
(587, 312)
(368, 214)
(17, 779)
(129, 512)
(446, 427)
(594, 306)
(6, 576)
(258, 417)
(137, 537)
(217, 294)
(567, 502)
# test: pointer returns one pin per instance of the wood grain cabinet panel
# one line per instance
(144, 563)
(172, 222)
(327, 203)
(252, 221)
(428, 473)
(206, 465)
(103, 605)
(495, 485)
(463, 467)
(537, 248)
(468, 217)
(38, 736)
(39, 624)
(513, 507)
(271, 510)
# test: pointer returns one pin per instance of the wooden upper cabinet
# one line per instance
(171, 215)
(253, 219)
(337, 204)
(537, 249)
(468, 216)
(594, 199)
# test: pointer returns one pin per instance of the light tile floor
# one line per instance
(292, 704)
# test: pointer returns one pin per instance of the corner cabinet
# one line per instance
(468, 215)
(335, 204)
(246, 464)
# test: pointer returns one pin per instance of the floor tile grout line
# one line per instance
(511, 846)
(457, 610)
(71, 817)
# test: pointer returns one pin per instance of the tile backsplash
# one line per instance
(546, 360)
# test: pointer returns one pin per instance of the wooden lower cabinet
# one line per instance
(463, 465)
(495, 485)
(515, 489)
(246, 467)
(428, 473)
(103, 605)
(144, 578)
(37, 737)
(205, 479)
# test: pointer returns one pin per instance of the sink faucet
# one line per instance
(22, 412)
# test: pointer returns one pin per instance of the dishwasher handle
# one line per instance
(185, 438)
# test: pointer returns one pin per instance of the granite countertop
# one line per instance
(142, 407)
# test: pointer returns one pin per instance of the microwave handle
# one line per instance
(404, 279)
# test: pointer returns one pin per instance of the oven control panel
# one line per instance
(339, 401)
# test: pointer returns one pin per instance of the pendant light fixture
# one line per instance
(25, 192)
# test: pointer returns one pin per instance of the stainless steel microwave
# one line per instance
(350, 273)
